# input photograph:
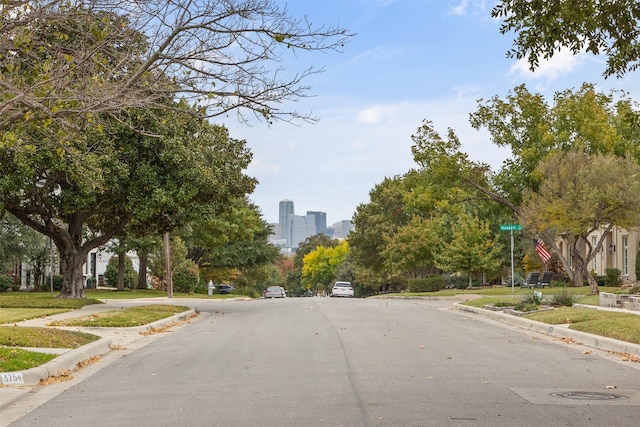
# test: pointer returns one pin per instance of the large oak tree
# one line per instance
(95, 135)
(118, 178)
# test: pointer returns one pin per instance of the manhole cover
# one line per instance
(588, 395)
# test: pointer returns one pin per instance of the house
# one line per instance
(619, 250)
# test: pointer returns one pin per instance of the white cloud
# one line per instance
(370, 115)
(334, 164)
(562, 63)
(376, 54)
(460, 9)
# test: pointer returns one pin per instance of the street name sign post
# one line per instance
(511, 228)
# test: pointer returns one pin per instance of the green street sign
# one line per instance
(510, 227)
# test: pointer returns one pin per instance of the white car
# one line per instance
(342, 289)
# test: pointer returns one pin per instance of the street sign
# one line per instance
(510, 227)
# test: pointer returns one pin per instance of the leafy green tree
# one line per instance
(410, 250)
(374, 223)
(91, 138)
(582, 193)
(112, 272)
(237, 240)
(310, 244)
(143, 246)
(20, 243)
(585, 120)
(184, 272)
(320, 265)
(472, 247)
(188, 169)
(599, 27)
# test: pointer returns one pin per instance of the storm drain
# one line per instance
(588, 395)
(551, 396)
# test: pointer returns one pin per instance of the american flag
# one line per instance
(544, 253)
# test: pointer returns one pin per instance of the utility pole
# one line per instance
(167, 256)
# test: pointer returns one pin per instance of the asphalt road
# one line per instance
(349, 362)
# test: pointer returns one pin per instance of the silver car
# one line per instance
(275, 292)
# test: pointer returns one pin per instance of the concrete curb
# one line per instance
(70, 359)
(66, 361)
(590, 340)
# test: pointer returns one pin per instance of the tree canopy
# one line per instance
(584, 122)
(543, 27)
(124, 179)
(73, 61)
(103, 106)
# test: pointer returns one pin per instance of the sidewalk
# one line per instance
(14, 385)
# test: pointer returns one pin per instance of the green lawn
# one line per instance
(12, 315)
(131, 316)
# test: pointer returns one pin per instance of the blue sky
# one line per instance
(409, 61)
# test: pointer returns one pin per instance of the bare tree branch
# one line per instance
(100, 56)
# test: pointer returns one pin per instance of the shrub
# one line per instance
(111, 273)
(5, 283)
(57, 282)
(186, 277)
(428, 284)
(534, 297)
(503, 304)
(613, 277)
(526, 306)
(200, 288)
(458, 282)
(564, 298)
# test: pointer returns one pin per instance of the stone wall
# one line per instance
(629, 302)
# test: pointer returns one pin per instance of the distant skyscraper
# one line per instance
(285, 220)
(301, 228)
(342, 229)
(320, 222)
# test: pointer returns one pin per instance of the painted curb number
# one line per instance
(12, 378)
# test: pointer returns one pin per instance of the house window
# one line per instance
(594, 242)
(625, 255)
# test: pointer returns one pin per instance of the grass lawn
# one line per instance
(13, 358)
(41, 300)
(17, 359)
(25, 336)
(12, 315)
(621, 326)
(131, 316)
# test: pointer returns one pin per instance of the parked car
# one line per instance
(342, 289)
(225, 289)
(274, 292)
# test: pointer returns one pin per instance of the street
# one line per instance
(349, 362)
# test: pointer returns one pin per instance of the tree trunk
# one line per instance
(121, 257)
(142, 274)
(71, 262)
(595, 290)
